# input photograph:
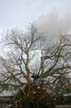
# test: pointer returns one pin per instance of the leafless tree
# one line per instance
(53, 67)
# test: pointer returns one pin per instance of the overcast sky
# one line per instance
(18, 13)
(51, 16)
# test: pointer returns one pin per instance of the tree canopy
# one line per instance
(54, 64)
(50, 72)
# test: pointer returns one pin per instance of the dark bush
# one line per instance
(33, 97)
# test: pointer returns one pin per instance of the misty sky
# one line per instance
(19, 13)
(51, 16)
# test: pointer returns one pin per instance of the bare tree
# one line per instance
(54, 66)
(15, 64)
